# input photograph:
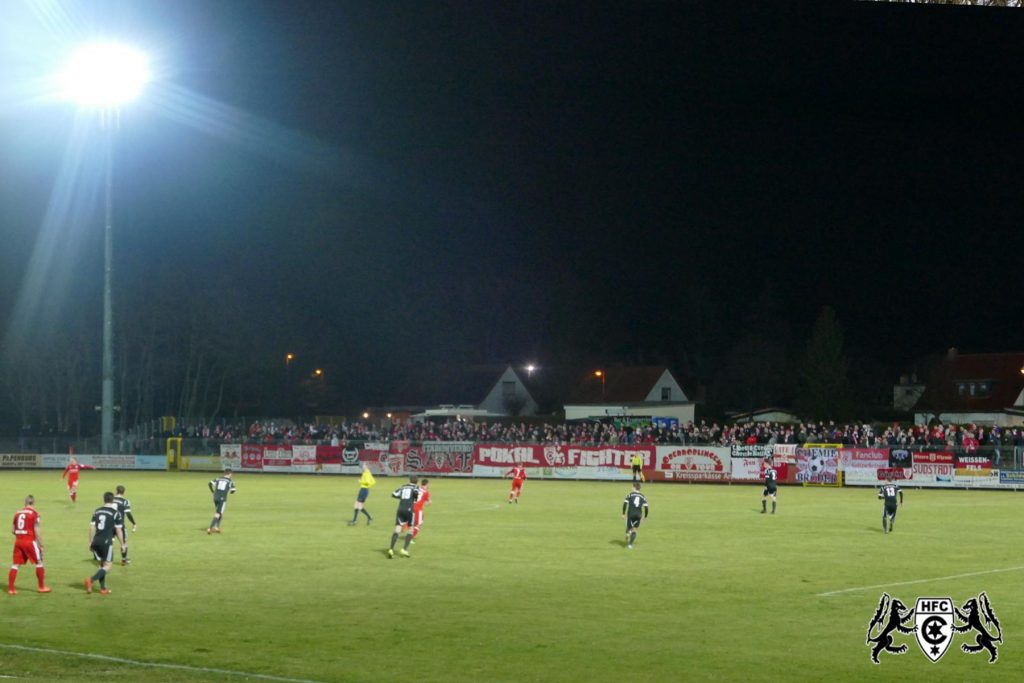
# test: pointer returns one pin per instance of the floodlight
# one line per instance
(105, 75)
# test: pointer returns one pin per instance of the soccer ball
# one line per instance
(816, 464)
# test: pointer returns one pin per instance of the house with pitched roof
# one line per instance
(650, 391)
(965, 388)
(474, 391)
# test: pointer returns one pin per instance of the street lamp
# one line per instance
(600, 374)
(104, 77)
(529, 370)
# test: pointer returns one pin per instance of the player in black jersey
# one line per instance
(104, 527)
(124, 506)
(220, 488)
(771, 480)
(407, 494)
(634, 510)
(889, 492)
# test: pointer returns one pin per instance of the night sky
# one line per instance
(391, 184)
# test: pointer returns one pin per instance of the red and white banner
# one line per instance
(860, 466)
(863, 459)
(277, 459)
(748, 462)
(784, 454)
(304, 459)
(747, 469)
(252, 457)
(494, 455)
(895, 473)
(692, 463)
(817, 464)
(933, 458)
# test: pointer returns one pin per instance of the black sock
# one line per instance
(764, 505)
(773, 506)
(408, 537)
(365, 513)
(394, 539)
(124, 552)
(99, 575)
(632, 537)
(355, 516)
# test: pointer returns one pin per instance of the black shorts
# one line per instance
(890, 508)
(219, 505)
(633, 523)
(404, 517)
(637, 468)
(102, 552)
(769, 490)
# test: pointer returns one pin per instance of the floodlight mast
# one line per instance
(104, 77)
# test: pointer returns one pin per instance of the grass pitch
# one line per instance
(542, 591)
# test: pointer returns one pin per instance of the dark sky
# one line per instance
(415, 181)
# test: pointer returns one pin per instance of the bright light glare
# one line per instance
(105, 75)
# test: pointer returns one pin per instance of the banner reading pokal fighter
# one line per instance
(583, 462)
(692, 463)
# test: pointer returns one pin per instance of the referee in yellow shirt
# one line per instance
(638, 467)
(365, 482)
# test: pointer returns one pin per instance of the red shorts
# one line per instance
(27, 551)
(417, 517)
(72, 483)
(517, 484)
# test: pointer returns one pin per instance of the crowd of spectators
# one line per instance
(966, 438)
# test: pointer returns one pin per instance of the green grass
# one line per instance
(542, 591)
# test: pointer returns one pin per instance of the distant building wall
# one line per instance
(666, 382)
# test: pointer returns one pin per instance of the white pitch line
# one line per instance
(910, 583)
(492, 507)
(155, 665)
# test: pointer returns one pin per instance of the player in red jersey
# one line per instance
(28, 545)
(518, 474)
(71, 472)
(417, 508)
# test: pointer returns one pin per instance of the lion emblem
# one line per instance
(977, 615)
(891, 616)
